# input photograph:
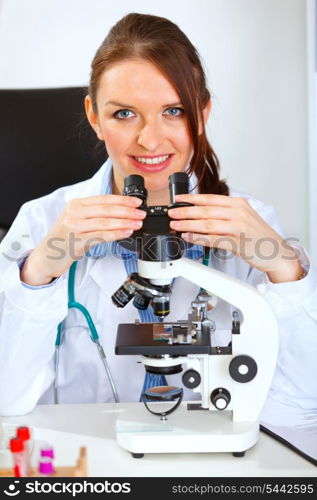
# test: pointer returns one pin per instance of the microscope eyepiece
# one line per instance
(134, 179)
(178, 184)
(181, 177)
(134, 186)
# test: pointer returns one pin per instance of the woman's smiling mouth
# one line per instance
(152, 163)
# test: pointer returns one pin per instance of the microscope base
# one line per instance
(200, 431)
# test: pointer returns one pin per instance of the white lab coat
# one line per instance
(29, 319)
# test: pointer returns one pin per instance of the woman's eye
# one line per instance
(122, 114)
(174, 111)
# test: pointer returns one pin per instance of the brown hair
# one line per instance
(162, 43)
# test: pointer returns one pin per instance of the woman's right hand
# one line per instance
(84, 223)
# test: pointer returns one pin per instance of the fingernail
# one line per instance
(175, 224)
(127, 232)
(140, 213)
(172, 212)
(136, 201)
(136, 224)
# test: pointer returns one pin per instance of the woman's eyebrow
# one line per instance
(121, 105)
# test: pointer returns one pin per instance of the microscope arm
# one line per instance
(258, 336)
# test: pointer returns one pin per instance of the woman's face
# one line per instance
(142, 122)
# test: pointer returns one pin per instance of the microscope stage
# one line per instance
(141, 339)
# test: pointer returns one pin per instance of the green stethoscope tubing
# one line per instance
(206, 256)
(72, 304)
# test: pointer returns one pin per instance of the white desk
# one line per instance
(67, 427)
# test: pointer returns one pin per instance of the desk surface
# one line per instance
(68, 427)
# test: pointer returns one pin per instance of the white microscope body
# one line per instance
(233, 385)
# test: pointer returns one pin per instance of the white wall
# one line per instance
(255, 55)
(311, 16)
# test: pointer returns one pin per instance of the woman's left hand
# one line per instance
(230, 223)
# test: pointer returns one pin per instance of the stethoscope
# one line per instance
(93, 335)
(92, 329)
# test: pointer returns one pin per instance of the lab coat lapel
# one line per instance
(109, 273)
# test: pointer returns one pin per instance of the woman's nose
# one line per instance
(150, 137)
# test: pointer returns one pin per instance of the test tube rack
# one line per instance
(78, 470)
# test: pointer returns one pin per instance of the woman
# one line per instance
(148, 103)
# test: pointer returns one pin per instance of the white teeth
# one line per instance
(152, 161)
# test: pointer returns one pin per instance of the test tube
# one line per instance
(46, 467)
(18, 454)
(47, 451)
(24, 434)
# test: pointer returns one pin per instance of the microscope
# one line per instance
(231, 382)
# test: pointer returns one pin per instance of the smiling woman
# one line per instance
(149, 134)
(148, 103)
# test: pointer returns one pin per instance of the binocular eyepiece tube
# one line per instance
(134, 186)
(178, 184)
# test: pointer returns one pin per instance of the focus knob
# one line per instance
(243, 368)
(191, 379)
(220, 398)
